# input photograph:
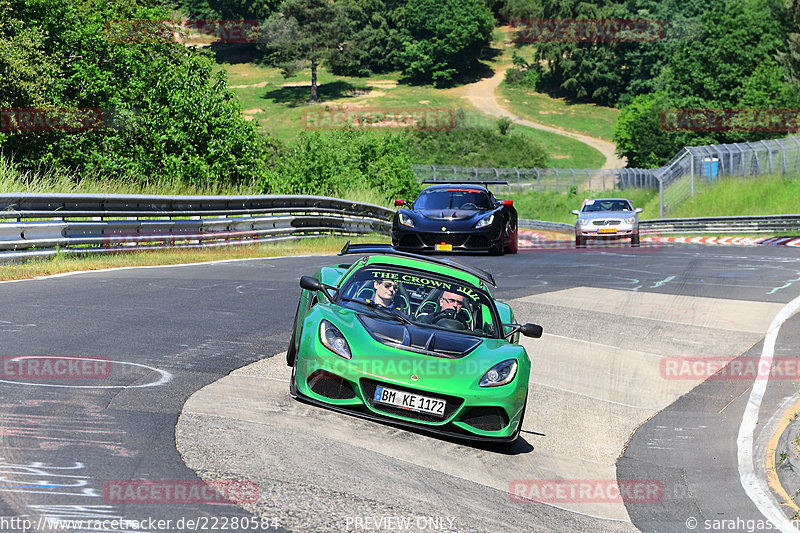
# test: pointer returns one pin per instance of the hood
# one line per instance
(426, 340)
(451, 214)
(607, 214)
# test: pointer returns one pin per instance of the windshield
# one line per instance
(606, 205)
(423, 299)
(454, 198)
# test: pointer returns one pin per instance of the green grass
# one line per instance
(587, 119)
(764, 195)
(731, 196)
(279, 110)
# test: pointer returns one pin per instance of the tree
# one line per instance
(230, 9)
(181, 123)
(443, 37)
(791, 58)
(303, 32)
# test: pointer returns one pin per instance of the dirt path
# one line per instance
(481, 95)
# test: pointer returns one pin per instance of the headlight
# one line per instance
(583, 221)
(485, 221)
(406, 220)
(500, 374)
(333, 339)
(630, 220)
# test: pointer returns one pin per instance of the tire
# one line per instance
(635, 240)
(580, 242)
(501, 245)
(291, 351)
(513, 242)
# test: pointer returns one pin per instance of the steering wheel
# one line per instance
(469, 205)
(449, 319)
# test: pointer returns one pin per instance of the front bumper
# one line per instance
(471, 412)
(464, 241)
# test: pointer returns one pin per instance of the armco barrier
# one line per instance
(738, 224)
(43, 224)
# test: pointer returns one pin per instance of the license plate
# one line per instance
(607, 230)
(410, 401)
(444, 247)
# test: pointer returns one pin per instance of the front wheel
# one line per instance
(635, 240)
(291, 351)
(580, 242)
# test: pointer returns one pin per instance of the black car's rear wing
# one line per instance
(445, 261)
(466, 182)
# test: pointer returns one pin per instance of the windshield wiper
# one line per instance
(386, 310)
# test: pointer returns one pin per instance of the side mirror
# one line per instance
(508, 202)
(310, 283)
(398, 203)
(638, 210)
(531, 330)
(576, 212)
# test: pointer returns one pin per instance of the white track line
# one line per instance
(756, 488)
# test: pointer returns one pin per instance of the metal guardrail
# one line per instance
(736, 224)
(740, 224)
(45, 224)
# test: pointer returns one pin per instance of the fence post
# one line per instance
(434, 172)
(519, 187)
(556, 179)
(783, 157)
(573, 175)
(769, 155)
(691, 172)
(538, 181)
(454, 174)
(603, 173)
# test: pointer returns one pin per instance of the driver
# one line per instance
(450, 303)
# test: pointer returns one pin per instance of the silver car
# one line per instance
(607, 218)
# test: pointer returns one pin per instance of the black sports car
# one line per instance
(456, 216)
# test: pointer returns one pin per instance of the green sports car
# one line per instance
(413, 341)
